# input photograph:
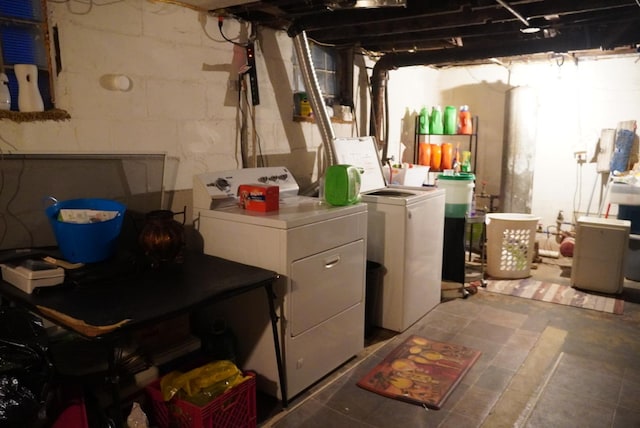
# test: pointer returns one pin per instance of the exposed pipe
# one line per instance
(378, 91)
(303, 52)
(513, 12)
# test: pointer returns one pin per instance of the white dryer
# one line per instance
(405, 234)
(318, 250)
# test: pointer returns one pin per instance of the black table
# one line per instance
(103, 310)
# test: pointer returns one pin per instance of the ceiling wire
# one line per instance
(515, 12)
(90, 4)
(179, 3)
(252, 36)
(8, 212)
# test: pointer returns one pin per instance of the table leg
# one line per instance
(483, 241)
(114, 383)
(470, 241)
(276, 341)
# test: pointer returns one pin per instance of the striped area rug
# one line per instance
(555, 293)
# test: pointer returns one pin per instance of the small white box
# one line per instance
(27, 280)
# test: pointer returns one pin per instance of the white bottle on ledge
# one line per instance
(5, 95)
(29, 98)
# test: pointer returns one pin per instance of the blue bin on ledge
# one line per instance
(91, 242)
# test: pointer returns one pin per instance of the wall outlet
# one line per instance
(581, 157)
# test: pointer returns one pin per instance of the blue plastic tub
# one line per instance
(91, 242)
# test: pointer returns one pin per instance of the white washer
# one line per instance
(405, 234)
(318, 250)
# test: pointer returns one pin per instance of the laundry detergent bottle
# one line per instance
(450, 120)
(423, 121)
(465, 124)
(435, 123)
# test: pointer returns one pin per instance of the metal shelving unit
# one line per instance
(472, 143)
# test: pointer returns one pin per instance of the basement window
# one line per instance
(334, 71)
(324, 62)
(24, 39)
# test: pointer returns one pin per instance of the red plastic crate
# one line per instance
(236, 408)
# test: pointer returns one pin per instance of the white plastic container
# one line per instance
(458, 193)
(510, 243)
(29, 98)
(5, 95)
(413, 176)
(27, 280)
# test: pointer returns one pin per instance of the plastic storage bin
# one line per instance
(91, 242)
(236, 408)
(632, 261)
(632, 264)
(631, 213)
(510, 243)
(458, 193)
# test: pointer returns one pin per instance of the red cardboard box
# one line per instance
(259, 197)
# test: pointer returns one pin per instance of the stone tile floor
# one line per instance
(542, 365)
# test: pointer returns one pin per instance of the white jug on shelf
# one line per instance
(5, 95)
(29, 98)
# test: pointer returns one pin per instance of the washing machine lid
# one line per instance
(361, 152)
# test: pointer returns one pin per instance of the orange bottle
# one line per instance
(465, 122)
(447, 156)
(436, 157)
(424, 155)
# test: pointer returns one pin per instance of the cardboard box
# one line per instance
(259, 197)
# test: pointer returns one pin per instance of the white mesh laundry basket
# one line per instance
(510, 244)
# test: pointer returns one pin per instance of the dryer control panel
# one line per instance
(219, 189)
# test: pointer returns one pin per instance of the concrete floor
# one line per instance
(542, 365)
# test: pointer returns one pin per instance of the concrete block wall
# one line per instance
(183, 98)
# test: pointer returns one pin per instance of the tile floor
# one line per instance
(542, 365)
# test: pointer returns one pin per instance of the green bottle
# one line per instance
(436, 124)
(450, 120)
(423, 121)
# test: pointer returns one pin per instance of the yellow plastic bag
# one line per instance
(201, 385)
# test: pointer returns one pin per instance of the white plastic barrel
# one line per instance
(458, 193)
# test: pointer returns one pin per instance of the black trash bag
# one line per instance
(17, 325)
(19, 407)
(25, 369)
